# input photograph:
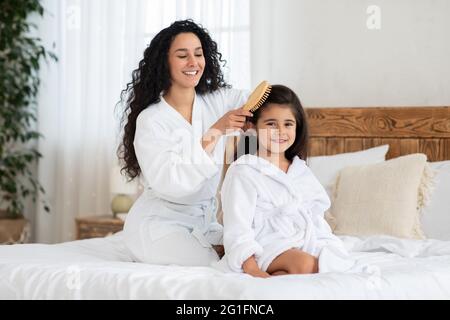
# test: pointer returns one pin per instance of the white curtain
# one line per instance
(99, 43)
(228, 22)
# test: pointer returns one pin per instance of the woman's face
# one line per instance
(276, 128)
(186, 60)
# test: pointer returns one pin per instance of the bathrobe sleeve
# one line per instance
(172, 163)
(319, 201)
(233, 98)
(239, 203)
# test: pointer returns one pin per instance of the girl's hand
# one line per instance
(258, 273)
(232, 121)
(251, 267)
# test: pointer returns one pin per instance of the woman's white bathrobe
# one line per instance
(174, 220)
(267, 211)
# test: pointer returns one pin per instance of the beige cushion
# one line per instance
(383, 198)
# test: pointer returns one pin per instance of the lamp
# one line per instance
(122, 201)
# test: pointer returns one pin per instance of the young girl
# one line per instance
(273, 205)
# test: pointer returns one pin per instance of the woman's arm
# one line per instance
(231, 121)
(174, 163)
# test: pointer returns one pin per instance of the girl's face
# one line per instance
(276, 129)
(186, 60)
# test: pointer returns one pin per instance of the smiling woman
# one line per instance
(98, 44)
(178, 107)
(186, 57)
(186, 63)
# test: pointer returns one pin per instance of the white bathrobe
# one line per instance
(267, 211)
(180, 178)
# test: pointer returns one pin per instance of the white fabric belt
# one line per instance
(283, 217)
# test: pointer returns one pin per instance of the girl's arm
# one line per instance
(320, 201)
(239, 203)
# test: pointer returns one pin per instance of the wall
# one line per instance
(324, 50)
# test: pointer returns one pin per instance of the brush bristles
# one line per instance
(262, 100)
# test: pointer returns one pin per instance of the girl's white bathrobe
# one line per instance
(175, 217)
(267, 211)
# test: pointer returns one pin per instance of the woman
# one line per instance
(178, 109)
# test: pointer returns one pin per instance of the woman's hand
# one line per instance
(232, 121)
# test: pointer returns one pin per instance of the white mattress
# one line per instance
(103, 269)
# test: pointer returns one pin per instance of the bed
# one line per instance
(102, 268)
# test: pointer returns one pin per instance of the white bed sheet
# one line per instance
(103, 269)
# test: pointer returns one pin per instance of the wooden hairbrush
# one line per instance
(258, 97)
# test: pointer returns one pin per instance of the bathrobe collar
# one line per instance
(197, 123)
(265, 167)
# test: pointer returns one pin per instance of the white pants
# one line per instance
(161, 243)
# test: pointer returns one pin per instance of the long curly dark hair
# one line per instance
(152, 77)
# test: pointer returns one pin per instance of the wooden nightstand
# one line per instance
(98, 226)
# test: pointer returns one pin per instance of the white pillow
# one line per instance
(436, 215)
(326, 168)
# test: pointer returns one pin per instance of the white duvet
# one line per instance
(102, 269)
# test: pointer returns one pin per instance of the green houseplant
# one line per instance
(20, 58)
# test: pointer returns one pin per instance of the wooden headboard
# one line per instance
(406, 130)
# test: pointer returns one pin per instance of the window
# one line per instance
(228, 22)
